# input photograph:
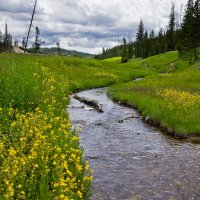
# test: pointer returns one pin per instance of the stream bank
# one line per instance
(131, 159)
(193, 138)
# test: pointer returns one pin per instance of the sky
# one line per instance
(85, 25)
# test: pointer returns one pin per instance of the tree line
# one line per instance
(5, 40)
(184, 37)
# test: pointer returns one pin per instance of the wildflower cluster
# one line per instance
(40, 157)
(182, 99)
(111, 76)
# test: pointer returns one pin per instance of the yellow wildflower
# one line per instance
(80, 194)
(79, 167)
(62, 196)
(54, 162)
(12, 152)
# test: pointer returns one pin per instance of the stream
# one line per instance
(132, 160)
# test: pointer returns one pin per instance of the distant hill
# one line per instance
(54, 51)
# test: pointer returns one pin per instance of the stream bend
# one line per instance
(132, 160)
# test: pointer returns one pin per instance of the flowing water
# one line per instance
(132, 160)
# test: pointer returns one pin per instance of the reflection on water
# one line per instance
(132, 160)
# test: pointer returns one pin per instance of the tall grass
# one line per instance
(172, 99)
(40, 156)
(80, 73)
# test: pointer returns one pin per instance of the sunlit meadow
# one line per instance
(40, 153)
(172, 99)
(40, 156)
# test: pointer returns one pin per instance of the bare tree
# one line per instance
(30, 25)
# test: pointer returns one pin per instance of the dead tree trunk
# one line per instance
(30, 26)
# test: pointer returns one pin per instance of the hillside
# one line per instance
(170, 97)
(54, 51)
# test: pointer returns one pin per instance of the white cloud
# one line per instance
(85, 25)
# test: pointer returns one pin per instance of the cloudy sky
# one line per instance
(84, 25)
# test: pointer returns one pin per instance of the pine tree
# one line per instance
(187, 43)
(6, 41)
(171, 30)
(145, 46)
(139, 39)
(140, 33)
(196, 29)
(152, 43)
(103, 55)
(1, 37)
(161, 41)
(130, 50)
(1, 41)
(124, 56)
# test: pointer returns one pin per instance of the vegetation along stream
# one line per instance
(131, 159)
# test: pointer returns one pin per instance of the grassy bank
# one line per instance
(40, 156)
(171, 98)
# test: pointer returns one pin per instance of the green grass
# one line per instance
(81, 73)
(173, 98)
(40, 156)
(115, 59)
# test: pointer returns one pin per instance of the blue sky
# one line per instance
(85, 25)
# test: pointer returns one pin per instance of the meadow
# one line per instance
(40, 154)
(170, 97)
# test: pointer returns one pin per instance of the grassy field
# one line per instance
(114, 59)
(40, 156)
(171, 97)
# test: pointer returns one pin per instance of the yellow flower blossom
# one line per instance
(42, 146)
(79, 167)
(62, 196)
(80, 194)
(54, 162)
(182, 99)
(12, 152)
(63, 156)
